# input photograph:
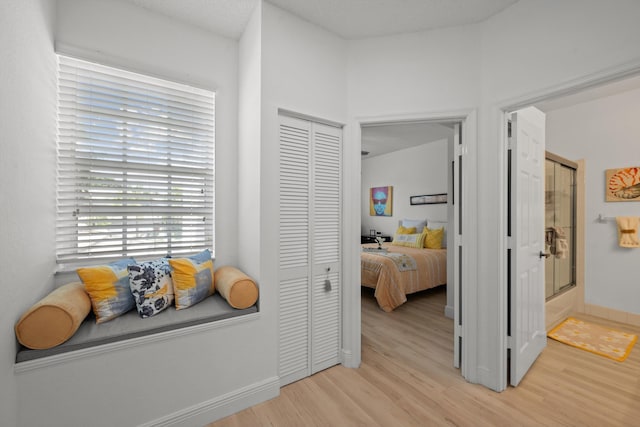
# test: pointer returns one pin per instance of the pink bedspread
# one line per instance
(393, 279)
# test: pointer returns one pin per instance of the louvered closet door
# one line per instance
(295, 137)
(325, 254)
(309, 250)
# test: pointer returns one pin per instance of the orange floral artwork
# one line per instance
(623, 185)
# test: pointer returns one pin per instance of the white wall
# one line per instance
(412, 172)
(193, 378)
(605, 133)
(27, 171)
(215, 366)
(538, 44)
(303, 70)
(529, 49)
(412, 73)
(406, 77)
(249, 144)
(412, 76)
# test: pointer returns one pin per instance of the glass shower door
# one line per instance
(560, 226)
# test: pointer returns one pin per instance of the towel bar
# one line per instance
(602, 218)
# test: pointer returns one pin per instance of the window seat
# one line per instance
(131, 325)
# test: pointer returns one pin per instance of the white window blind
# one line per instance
(135, 165)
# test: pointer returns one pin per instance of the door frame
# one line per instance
(499, 114)
(351, 309)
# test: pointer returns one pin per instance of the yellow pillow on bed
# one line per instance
(433, 237)
(406, 230)
(409, 240)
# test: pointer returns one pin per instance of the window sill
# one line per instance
(92, 339)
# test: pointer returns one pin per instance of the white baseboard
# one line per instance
(612, 314)
(219, 407)
(348, 361)
(448, 311)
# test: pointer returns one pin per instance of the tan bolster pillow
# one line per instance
(237, 288)
(55, 318)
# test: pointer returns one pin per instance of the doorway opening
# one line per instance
(571, 121)
(420, 160)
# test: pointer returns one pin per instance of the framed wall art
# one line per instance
(428, 199)
(622, 185)
(381, 201)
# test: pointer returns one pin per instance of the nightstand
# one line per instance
(372, 239)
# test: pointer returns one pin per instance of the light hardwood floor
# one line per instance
(406, 379)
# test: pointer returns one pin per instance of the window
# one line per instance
(135, 165)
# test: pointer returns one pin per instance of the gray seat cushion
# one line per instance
(130, 325)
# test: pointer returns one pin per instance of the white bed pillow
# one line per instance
(419, 224)
(409, 240)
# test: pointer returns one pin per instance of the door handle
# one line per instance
(327, 282)
(544, 255)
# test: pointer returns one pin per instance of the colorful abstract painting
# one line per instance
(381, 201)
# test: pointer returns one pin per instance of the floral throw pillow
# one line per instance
(151, 286)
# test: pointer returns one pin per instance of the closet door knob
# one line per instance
(544, 255)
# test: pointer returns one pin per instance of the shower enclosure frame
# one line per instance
(571, 298)
(568, 276)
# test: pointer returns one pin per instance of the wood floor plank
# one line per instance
(407, 379)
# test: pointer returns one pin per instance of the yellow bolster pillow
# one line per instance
(55, 318)
(237, 288)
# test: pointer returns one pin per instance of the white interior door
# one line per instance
(310, 182)
(454, 243)
(294, 249)
(326, 202)
(526, 282)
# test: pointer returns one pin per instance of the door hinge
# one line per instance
(457, 330)
(460, 150)
(509, 129)
(509, 242)
(509, 342)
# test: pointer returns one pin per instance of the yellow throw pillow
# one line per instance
(108, 287)
(193, 279)
(433, 238)
(406, 230)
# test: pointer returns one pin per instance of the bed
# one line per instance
(401, 271)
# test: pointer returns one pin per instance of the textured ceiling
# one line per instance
(354, 19)
(347, 18)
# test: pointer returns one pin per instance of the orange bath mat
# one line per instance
(603, 341)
